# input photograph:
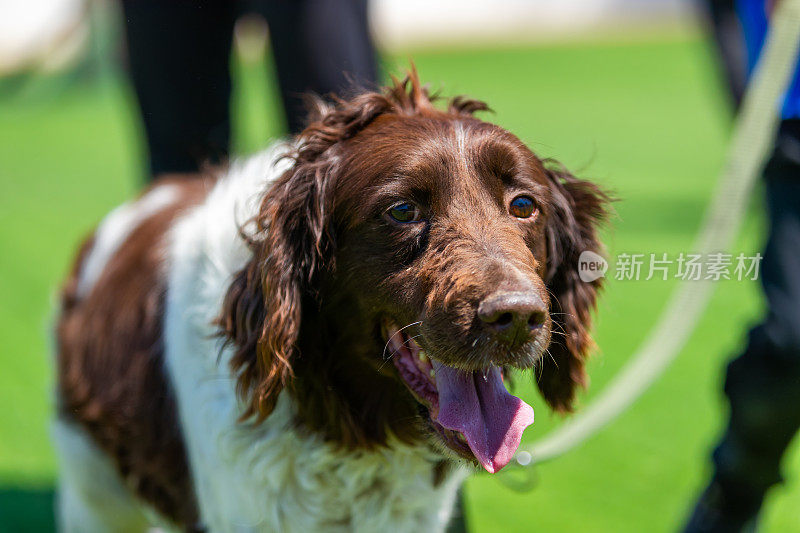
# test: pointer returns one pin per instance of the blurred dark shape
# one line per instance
(458, 520)
(179, 57)
(729, 40)
(763, 384)
(27, 509)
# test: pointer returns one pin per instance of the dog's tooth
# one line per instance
(422, 356)
(432, 374)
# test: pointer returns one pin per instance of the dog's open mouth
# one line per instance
(473, 412)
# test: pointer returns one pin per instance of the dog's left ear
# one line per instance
(577, 208)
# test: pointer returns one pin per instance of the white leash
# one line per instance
(752, 138)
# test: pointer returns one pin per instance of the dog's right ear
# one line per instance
(262, 310)
(292, 242)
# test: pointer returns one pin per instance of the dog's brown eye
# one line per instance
(404, 213)
(522, 207)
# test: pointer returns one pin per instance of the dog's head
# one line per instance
(409, 258)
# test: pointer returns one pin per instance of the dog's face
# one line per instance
(435, 252)
(442, 247)
(443, 232)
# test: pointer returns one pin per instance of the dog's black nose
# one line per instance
(513, 316)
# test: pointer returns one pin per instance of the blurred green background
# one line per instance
(648, 119)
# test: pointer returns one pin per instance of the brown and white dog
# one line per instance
(318, 339)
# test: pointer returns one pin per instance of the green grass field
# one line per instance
(647, 120)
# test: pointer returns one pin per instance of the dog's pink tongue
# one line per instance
(480, 407)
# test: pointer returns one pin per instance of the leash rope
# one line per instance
(752, 138)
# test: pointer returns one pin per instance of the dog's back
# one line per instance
(111, 384)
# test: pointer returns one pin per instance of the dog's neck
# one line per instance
(394, 488)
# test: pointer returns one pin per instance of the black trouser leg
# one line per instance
(321, 46)
(763, 384)
(179, 58)
(179, 55)
(729, 41)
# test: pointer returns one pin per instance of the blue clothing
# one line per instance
(753, 18)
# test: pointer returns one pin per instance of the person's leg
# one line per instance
(320, 46)
(178, 53)
(763, 384)
(727, 33)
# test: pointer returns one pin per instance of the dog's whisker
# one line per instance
(405, 343)
(547, 351)
(389, 340)
(394, 352)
